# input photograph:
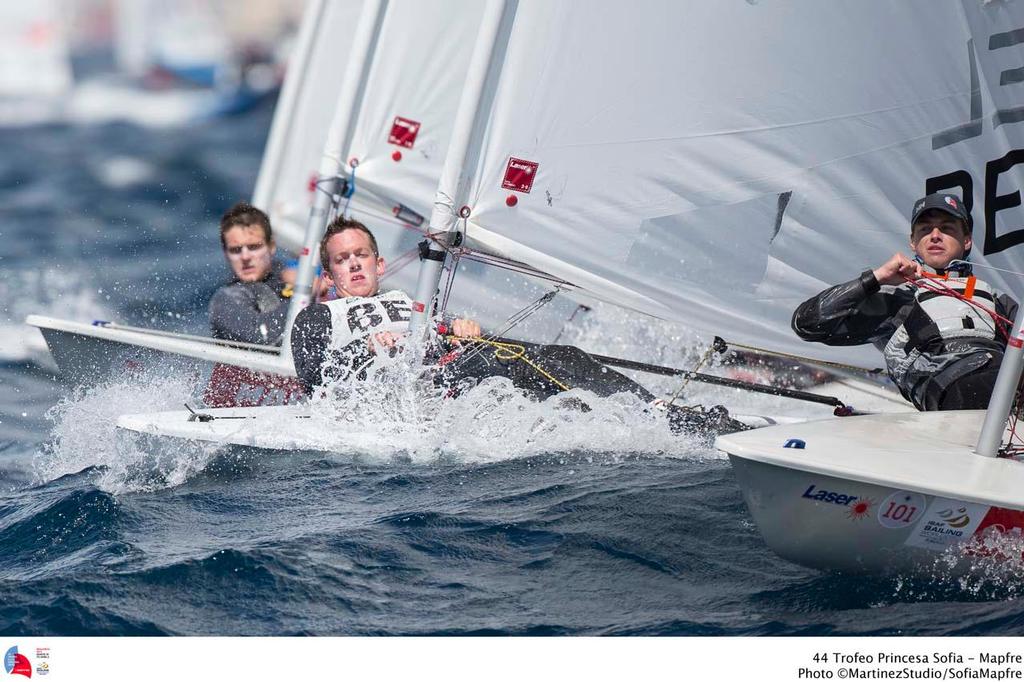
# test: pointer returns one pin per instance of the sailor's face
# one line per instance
(939, 238)
(354, 269)
(248, 253)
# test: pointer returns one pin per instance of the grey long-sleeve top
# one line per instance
(253, 312)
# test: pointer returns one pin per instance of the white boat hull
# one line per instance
(238, 376)
(879, 493)
(287, 427)
(271, 428)
(89, 352)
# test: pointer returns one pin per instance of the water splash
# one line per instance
(397, 415)
(988, 566)
(84, 436)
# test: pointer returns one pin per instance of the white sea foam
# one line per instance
(989, 565)
(490, 422)
(393, 418)
(396, 418)
(84, 436)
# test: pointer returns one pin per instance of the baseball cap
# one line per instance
(950, 203)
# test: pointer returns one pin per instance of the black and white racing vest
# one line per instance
(939, 316)
(925, 342)
(354, 321)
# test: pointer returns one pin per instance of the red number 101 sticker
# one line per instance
(901, 509)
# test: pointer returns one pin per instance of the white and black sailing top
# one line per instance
(928, 339)
(333, 341)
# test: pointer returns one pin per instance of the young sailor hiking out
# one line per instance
(363, 330)
(941, 330)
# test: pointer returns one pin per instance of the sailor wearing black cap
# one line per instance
(930, 317)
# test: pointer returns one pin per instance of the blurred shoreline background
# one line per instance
(149, 62)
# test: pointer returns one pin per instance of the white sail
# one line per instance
(402, 131)
(437, 38)
(306, 108)
(718, 163)
(415, 83)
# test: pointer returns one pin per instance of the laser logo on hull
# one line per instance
(828, 496)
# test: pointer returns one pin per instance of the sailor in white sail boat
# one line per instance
(253, 306)
(941, 330)
(363, 330)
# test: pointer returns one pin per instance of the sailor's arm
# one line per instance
(847, 314)
(311, 336)
(1007, 307)
(897, 270)
(460, 328)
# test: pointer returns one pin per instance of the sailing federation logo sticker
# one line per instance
(946, 522)
(519, 175)
(17, 664)
(403, 132)
(901, 509)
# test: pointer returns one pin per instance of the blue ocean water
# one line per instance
(568, 535)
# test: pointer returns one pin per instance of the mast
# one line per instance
(1001, 403)
(332, 164)
(463, 152)
(298, 67)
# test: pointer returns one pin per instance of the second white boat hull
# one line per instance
(881, 493)
(237, 376)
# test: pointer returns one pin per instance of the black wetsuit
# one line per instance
(253, 312)
(931, 372)
(330, 343)
(567, 366)
(317, 362)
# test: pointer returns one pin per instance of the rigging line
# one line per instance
(579, 307)
(380, 217)
(515, 266)
(507, 350)
(831, 401)
(1002, 323)
(453, 265)
(495, 260)
(960, 261)
(804, 359)
(318, 184)
(498, 334)
(402, 261)
(511, 322)
(492, 259)
(686, 380)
